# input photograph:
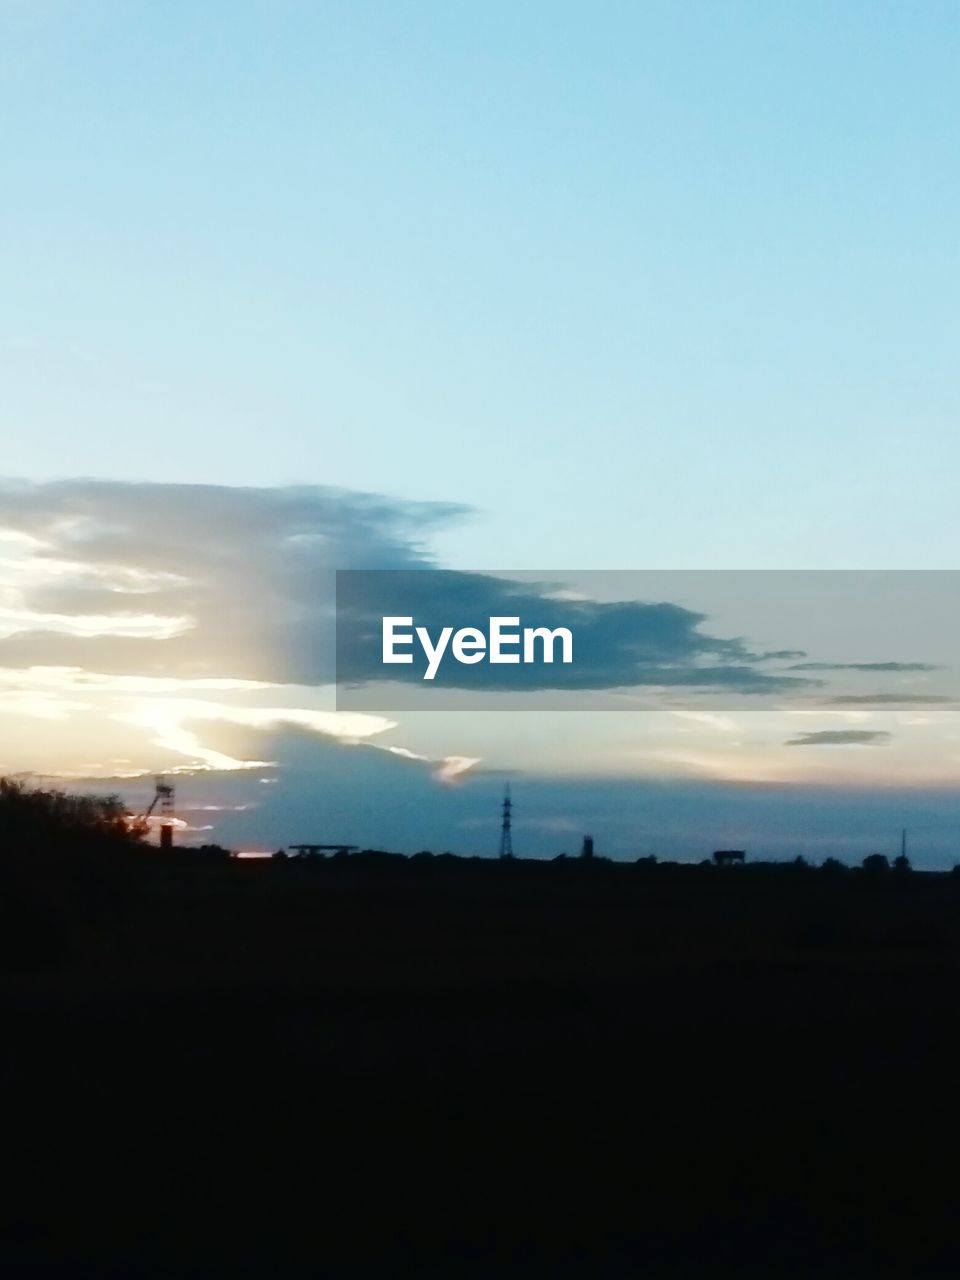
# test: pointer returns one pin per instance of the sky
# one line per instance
(292, 287)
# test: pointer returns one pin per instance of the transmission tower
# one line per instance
(506, 836)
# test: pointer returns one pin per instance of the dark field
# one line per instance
(480, 1069)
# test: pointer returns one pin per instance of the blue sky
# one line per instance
(639, 285)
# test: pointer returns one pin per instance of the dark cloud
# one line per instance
(252, 573)
(841, 738)
(863, 666)
(890, 699)
(624, 644)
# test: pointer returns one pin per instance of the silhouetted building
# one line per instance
(726, 857)
(587, 850)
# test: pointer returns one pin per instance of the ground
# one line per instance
(455, 1068)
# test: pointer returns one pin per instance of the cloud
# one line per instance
(38, 704)
(619, 645)
(175, 582)
(228, 582)
(171, 724)
(149, 618)
(189, 628)
(445, 769)
(863, 666)
(889, 699)
(723, 724)
(452, 768)
(150, 626)
(73, 679)
(841, 738)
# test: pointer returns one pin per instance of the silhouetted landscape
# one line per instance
(367, 1064)
(413, 411)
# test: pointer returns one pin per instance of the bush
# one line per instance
(876, 864)
(33, 816)
(64, 871)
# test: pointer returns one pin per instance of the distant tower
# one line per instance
(587, 850)
(165, 795)
(903, 842)
(163, 803)
(506, 836)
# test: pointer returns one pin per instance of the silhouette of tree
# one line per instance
(64, 870)
(901, 863)
(214, 850)
(876, 863)
(33, 814)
